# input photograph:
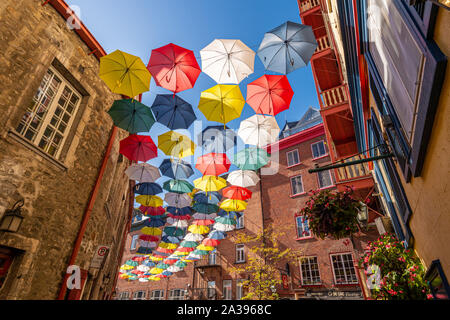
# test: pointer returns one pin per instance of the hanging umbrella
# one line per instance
(155, 259)
(198, 229)
(229, 214)
(138, 148)
(259, 130)
(243, 178)
(236, 192)
(138, 258)
(148, 237)
(204, 216)
(204, 222)
(143, 172)
(180, 217)
(173, 231)
(176, 169)
(173, 112)
(225, 220)
(205, 207)
(193, 237)
(131, 263)
(227, 60)
(131, 115)
(156, 223)
(199, 252)
(193, 257)
(177, 223)
(205, 248)
(213, 164)
(149, 200)
(179, 211)
(212, 197)
(147, 188)
(154, 278)
(251, 158)
(175, 268)
(168, 245)
(183, 251)
(174, 68)
(148, 263)
(177, 200)
(222, 103)
(217, 139)
(167, 273)
(178, 186)
(152, 211)
(217, 235)
(189, 244)
(175, 144)
(124, 74)
(224, 227)
(233, 205)
(170, 239)
(210, 183)
(211, 242)
(287, 47)
(150, 231)
(269, 94)
(143, 268)
(147, 244)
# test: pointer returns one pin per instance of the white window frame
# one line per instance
(240, 222)
(239, 289)
(160, 294)
(212, 258)
(324, 148)
(301, 236)
(292, 189)
(287, 158)
(240, 253)
(227, 289)
(134, 240)
(124, 295)
(347, 281)
(50, 113)
(180, 296)
(302, 261)
(211, 290)
(139, 295)
(331, 179)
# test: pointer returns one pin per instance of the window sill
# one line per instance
(346, 285)
(294, 165)
(24, 142)
(325, 188)
(321, 157)
(298, 195)
(318, 285)
(239, 262)
(304, 238)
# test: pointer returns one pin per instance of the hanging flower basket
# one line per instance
(332, 214)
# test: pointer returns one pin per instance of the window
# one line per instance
(139, 295)
(309, 269)
(240, 253)
(124, 295)
(318, 149)
(50, 114)
(176, 294)
(211, 290)
(240, 221)
(324, 179)
(297, 185)
(157, 295)
(292, 158)
(239, 289)
(227, 289)
(6, 258)
(343, 269)
(303, 230)
(134, 242)
(212, 258)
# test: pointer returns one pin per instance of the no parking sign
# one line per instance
(99, 256)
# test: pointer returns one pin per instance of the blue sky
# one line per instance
(138, 26)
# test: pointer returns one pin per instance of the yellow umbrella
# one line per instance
(233, 205)
(124, 276)
(206, 248)
(154, 278)
(124, 74)
(210, 183)
(180, 253)
(151, 231)
(149, 200)
(126, 267)
(175, 144)
(156, 270)
(167, 245)
(155, 259)
(198, 229)
(222, 103)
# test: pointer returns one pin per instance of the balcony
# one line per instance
(357, 176)
(209, 261)
(323, 43)
(334, 96)
(308, 5)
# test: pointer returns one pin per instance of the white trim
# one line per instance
(287, 158)
(134, 239)
(160, 296)
(331, 179)
(227, 289)
(240, 251)
(324, 148)
(296, 225)
(343, 268)
(292, 189)
(309, 264)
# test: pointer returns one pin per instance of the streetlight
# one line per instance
(363, 213)
(12, 219)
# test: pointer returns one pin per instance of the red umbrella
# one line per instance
(164, 250)
(206, 222)
(152, 211)
(185, 249)
(213, 164)
(185, 217)
(237, 193)
(138, 148)
(210, 242)
(269, 94)
(149, 238)
(174, 68)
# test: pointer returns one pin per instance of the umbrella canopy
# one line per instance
(198, 229)
(217, 235)
(222, 103)
(131, 115)
(156, 223)
(224, 227)
(167, 245)
(149, 201)
(189, 244)
(227, 60)
(236, 192)
(217, 139)
(212, 197)
(205, 247)
(210, 183)
(287, 47)
(211, 242)
(233, 205)
(138, 148)
(205, 207)
(174, 68)
(143, 172)
(147, 188)
(193, 237)
(213, 164)
(251, 158)
(200, 252)
(229, 214)
(152, 211)
(179, 211)
(124, 74)
(131, 263)
(177, 200)
(174, 231)
(177, 223)
(180, 217)
(176, 169)
(149, 237)
(150, 231)
(203, 216)
(175, 144)
(259, 130)
(173, 112)
(193, 257)
(178, 186)
(269, 94)
(243, 178)
(205, 222)
(226, 220)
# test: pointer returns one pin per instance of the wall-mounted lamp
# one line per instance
(12, 219)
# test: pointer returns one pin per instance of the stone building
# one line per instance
(59, 153)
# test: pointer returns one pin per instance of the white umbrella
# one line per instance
(243, 178)
(148, 244)
(174, 269)
(177, 223)
(143, 268)
(223, 227)
(178, 200)
(193, 237)
(227, 60)
(143, 172)
(259, 130)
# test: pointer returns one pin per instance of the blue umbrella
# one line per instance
(230, 214)
(176, 169)
(143, 250)
(217, 139)
(147, 188)
(217, 235)
(154, 222)
(173, 112)
(287, 47)
(179, 211)
(170, 239)
(212, 197)
(148, 263)
(205, 207)
(167, 273)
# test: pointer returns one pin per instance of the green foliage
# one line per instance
(402, 273)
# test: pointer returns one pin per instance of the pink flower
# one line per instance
(429, 296)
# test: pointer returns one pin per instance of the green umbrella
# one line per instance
(180, 264)
(188, 244)
(205, 207)
(251, 158)
(200, 252)
(132, 116)
(131, 263)
(174, 231)
(178, 186)
(162, 266)
(224, 220)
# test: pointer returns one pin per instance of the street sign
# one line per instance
(99, 256)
